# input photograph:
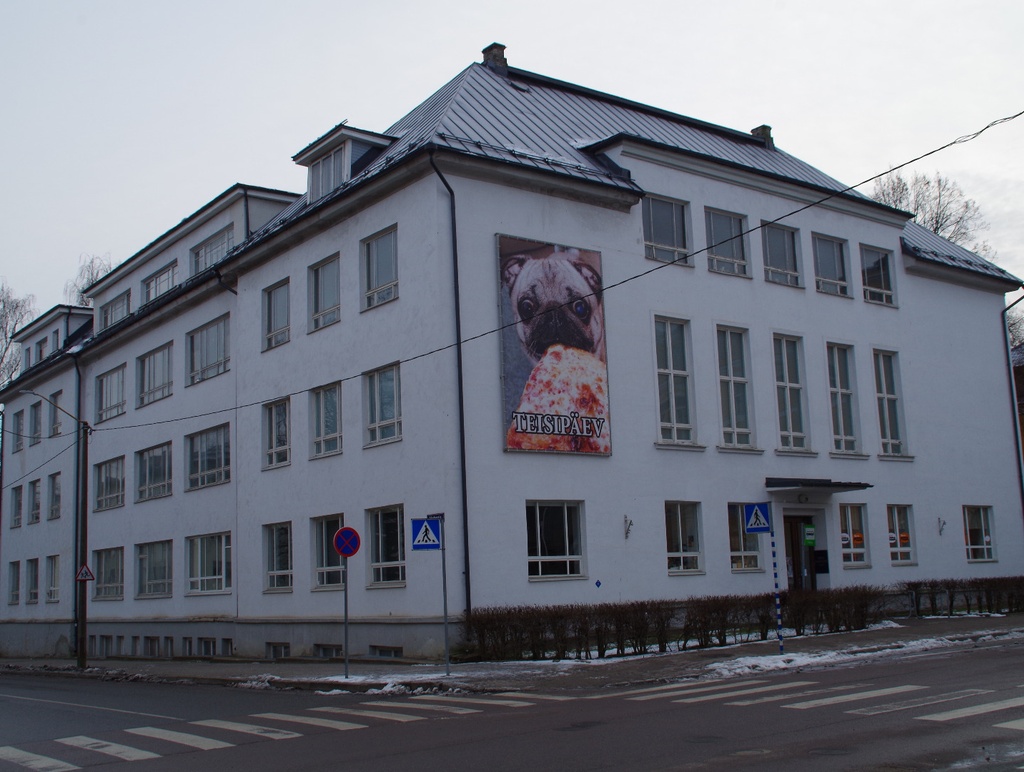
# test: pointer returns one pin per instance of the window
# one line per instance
(853, 534)
(34, 505)
(109, 565)
(55, 340)
(14, 582)
(212, 250)
(209, 457)
(153, 467)
(19, 431)
(901, 534)
(387, 545)
(110, 400)
(154, 568)
(32, 580)
(744, 548)
(328, 173)
(733, 383)
(665, 230)
(888, 403)
(329, 572)
(53, 491)
(381, 268)
(682, 525)
(110, 484)
(978, 533)
(384, 405)
(41, 346)
(325, 290)
(276, 444)
(158, 283)
(26, 359)
(209, 563)
(725, 243)
(116, 310)
(840, 388)
(278, 540)
(554, 538)
(55, 413)
(35, 423)
(327, 420)
(830, 266)
(16, 497)
(876, 272)
(276, 329)
(208, 350)
(52, 578)
(789, 393)
(673, 381)
(780, 264)
(154, 375)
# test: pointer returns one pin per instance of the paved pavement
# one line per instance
(567, 675)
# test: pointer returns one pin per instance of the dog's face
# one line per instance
(555, 299)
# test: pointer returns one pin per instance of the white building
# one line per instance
(735, 327)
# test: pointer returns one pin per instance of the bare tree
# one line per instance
(14, 313)
(91, 268)
(1015, 325)
(937, 203)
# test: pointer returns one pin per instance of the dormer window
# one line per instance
(212, 250)
(338, 156)
(116, 310)
(328, 173)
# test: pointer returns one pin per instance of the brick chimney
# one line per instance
(494, 57)
(764, 131)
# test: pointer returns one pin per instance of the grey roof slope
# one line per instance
(921, 243)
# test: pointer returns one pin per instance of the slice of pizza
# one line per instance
(564, 406)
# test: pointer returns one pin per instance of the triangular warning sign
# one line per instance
(425, 536)
(85, 575)
(757, 519)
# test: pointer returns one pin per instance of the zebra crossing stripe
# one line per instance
(808, 693)
(533, 696)
(123, 752)
(1018, 725)
(976, 710)
(421, 706)
(742, 692)
(919, 702)
(181, 738)
(381, 714)
(693, 690)
(679, 687)
(326, 723)
(261, 731)
(34, 761)
(852, 697)
(475, 701)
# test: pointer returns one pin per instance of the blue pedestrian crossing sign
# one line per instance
(426, 534)
(757, 518)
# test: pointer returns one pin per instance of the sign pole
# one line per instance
(346, 544)
(775, 571)
(444, 591)
(428, 534)
(344, 570)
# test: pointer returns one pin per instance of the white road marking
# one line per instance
(534, 696)
(118, 751)
(381, 714)
(326, 723)
(34, 761)
(977, 710)
(669, 687)
(718, 688)
(919, 702)
(89, 707)
(421, 706)
(852, 697)
(181, 738)
(474, 701)
(1018, 724)
(752, 690)
(261, 731)
(808, 693)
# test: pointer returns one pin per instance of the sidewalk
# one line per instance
(567, 675)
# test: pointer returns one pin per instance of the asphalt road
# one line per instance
(954, 708)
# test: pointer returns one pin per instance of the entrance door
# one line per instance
(800, 567)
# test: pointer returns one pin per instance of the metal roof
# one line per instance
(921, 243)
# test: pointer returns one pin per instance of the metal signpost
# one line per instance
(428, 534)
(757, 518)
(346, 544)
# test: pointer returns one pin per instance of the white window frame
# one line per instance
(53, 578)
(55, 414)
(212, 250)
(32, 580)
(890, 415)
(110, 396)
(878, 281)
(53, 496)
(734, 388)
(19, 431)
(788, 272)
(154, 562)
(325, 441)
(41, 346)
(277, 538)
(116, 310)
(789, 391)
(328, 571)
(383, 405)
(325, 293)
(35, 504)
(727, 252)
(329, 172)
(14, 582)
(276, 315)
(554, 540)
(153, 467)
(209, 563)
(35, 423)
(675, 395)
(842, 397)
(665, 231)
(387, 545)
(109, 482)
(683, 537)
(208, 457)
(277, 434)
(837, 279)
(853, 535)
(979, 539)
(380, 270)
(744, 548)
(109, 569)
(155, 374)
(902, 541)
(17, 502)
(209, 350)
(156, 284)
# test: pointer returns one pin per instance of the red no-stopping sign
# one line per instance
(346, 542)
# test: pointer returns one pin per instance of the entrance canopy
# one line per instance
(812, 485)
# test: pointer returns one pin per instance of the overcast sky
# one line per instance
(121, 117)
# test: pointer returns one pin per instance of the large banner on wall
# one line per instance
(554, 364)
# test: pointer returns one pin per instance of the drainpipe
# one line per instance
(81, 500)
(1013, 398)
(461, 389)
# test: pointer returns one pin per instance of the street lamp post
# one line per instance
(82, 532)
